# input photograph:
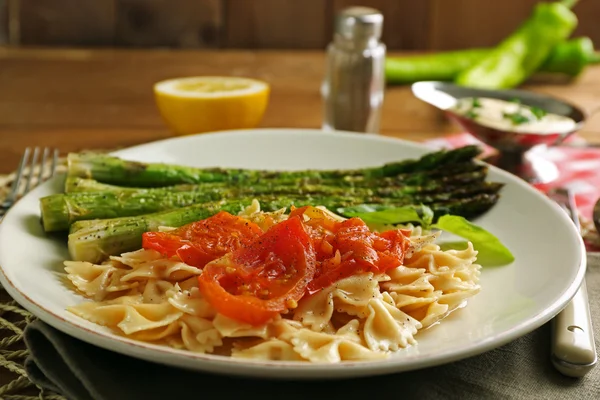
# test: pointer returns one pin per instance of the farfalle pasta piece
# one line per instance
(199, 334)
(418, 240)
(431, 314)
(349, 295)
(447, 281)
(443, 306)
(453, 270)
(435, 260)
(270, 350)
(333, 351)
(263, 219)
(433, 282)
(156, 334)
(319, 347)
(250, 210)
(189, 283)
(468, 270)
(411, 302)
(188, 332)
(156, 291)
(174, 341)
(132, 258)
(387, 328)
(167, 269)
(408, 280)
(458, 298)
(410, 289)
(228, 327)
(97, 313)
(190, 302)
(315, 311)
(128, 315)
(350, 331)
(97, 281)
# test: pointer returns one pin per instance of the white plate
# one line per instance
(514, 300)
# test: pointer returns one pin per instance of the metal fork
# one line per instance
(30, 174)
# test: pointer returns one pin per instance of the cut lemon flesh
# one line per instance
(211, 103)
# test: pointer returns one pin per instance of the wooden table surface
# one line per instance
(77, 99)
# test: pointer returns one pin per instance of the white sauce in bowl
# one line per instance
(512, 116)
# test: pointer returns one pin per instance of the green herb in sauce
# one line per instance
(512, 115)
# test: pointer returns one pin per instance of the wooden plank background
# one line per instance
(264, 24)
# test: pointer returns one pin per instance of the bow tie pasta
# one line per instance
(366, 313)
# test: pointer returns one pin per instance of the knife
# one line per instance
(573, 347)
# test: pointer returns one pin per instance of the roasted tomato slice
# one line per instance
(203, 241)
(345, 248)
(255, 283)
(357, 249)
(320, 226)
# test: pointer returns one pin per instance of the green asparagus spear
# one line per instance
(455, 173)
(436, 180)
(449, 181)
(108, 169)
(93, 240)
(59, 211)
(428, 162)
(468, 208)
(463, 172)
(74, 184)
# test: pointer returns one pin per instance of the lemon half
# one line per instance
(211, 103)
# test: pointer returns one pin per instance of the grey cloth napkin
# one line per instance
(519, 370)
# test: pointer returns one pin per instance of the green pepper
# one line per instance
(569, 58)
(431, 67)
(523, 52)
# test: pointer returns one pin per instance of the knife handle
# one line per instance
(573, 348)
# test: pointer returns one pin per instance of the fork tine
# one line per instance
(27, 170)
(45, 155)
(14, 190)
(36, 154)
(54, 162)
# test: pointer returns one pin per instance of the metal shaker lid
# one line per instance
(359, 23)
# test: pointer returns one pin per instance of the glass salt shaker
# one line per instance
(354, 82)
